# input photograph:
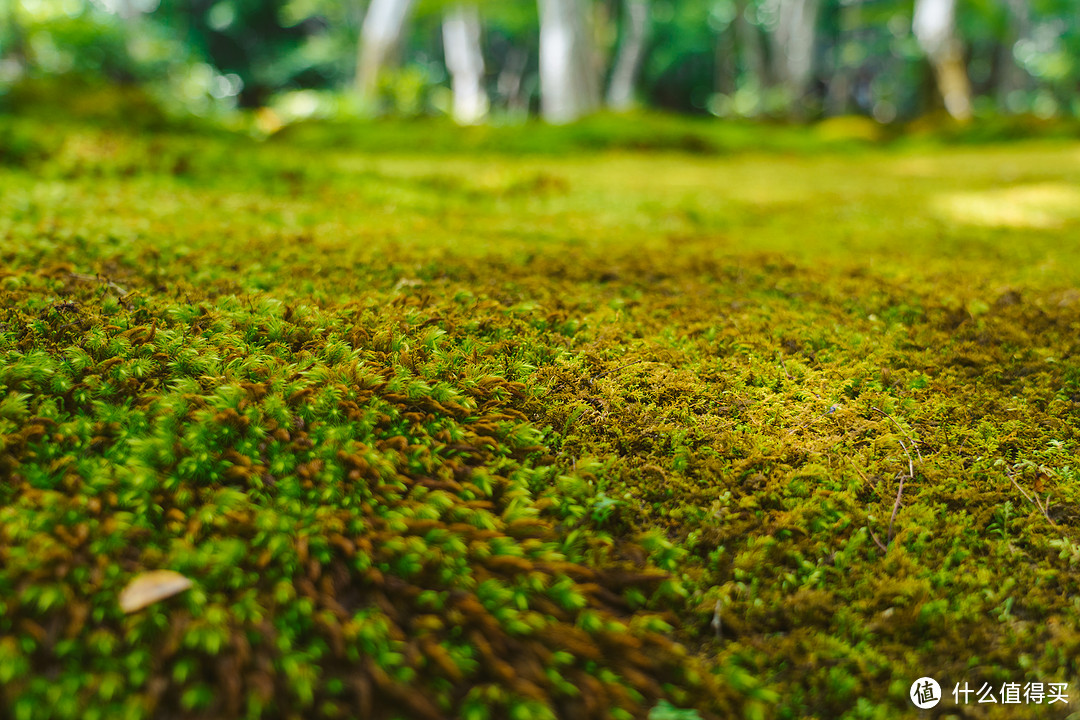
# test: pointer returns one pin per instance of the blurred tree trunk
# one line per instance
(510, 85)
(748, 36)
(380, 38)
(725, 80)
(126, 10)
(842, 78)
(793, 51)
(465, 61)
(12, 53)
(620, 95)
(934, 26)
(1013, 78)
(569, 82)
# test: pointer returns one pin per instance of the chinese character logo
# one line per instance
(925, 693)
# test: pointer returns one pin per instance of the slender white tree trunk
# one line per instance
(569, 86)
(934, 26)
(794, 38)
(620, 95)
(465, 61)
(380, 37)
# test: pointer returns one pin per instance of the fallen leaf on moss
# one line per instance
(151, 587)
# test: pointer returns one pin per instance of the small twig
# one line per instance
(1008, 473)
(900, 490)
(597, 376)
(908, 435)
(895, 508)
(830, 411)
(873, 486)
(99, 279)
(899, 495)
(910, 464)
(1035, 500)
(880, 544)
(783, 366)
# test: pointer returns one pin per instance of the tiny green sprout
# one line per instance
(603, 508)
(15, 406)
(198, 697)
(999, 524)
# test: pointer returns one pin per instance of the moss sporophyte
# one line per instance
(616, 436)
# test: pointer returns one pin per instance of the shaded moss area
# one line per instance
(491, 437)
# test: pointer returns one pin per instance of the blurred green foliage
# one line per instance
(716, 57)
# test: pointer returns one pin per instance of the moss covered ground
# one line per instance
(610, 434)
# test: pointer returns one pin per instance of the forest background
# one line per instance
(501, 62)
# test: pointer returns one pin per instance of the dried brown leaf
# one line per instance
(151, 587)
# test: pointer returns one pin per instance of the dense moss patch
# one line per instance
(533, 437)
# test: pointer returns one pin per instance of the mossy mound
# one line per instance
(358, 498)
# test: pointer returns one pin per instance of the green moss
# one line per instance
(586, 436)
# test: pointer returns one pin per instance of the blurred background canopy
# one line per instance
(499, 61)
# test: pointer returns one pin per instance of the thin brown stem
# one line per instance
(865, 479)
(1035, 501)
(99, 279)
(901, 428)
(797, 428)
(900, 490)
(616, 369)
(783, 366)
(896, 507)
(880, 544)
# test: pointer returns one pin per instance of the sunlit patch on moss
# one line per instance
(1040, 206)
